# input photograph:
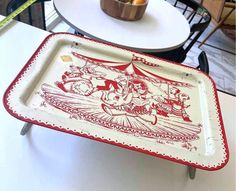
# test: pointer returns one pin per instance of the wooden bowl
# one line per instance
(122, 10)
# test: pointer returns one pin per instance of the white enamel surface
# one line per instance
(162, 27)
(25, 101)
(50, 160)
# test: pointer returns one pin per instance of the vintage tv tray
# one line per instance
(123, 98)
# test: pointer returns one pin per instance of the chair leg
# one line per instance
(191, 172)
(25, 128)
(217, 26)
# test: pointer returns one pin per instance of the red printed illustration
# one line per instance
(125, 97)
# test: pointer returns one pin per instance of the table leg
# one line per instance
(191, 172)
(25, 128)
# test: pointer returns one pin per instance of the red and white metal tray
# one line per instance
(123, 98)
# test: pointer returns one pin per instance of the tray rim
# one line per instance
(126, 146)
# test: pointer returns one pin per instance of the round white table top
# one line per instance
(162, 27)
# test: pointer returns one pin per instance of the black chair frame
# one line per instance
(198, 18)
(203, 62)
(14, 4)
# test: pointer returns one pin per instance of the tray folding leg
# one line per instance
(25, 128)
(191, 172)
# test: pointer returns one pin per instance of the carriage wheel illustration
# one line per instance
(83, 87)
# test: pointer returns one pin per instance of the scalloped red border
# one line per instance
(163, 156)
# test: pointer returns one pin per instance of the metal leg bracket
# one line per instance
(25, 128)
(191, 172)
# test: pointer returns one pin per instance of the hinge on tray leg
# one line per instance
(191, 172)
(25, 128)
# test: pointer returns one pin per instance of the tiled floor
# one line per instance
(220, 51)
(222, 66)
